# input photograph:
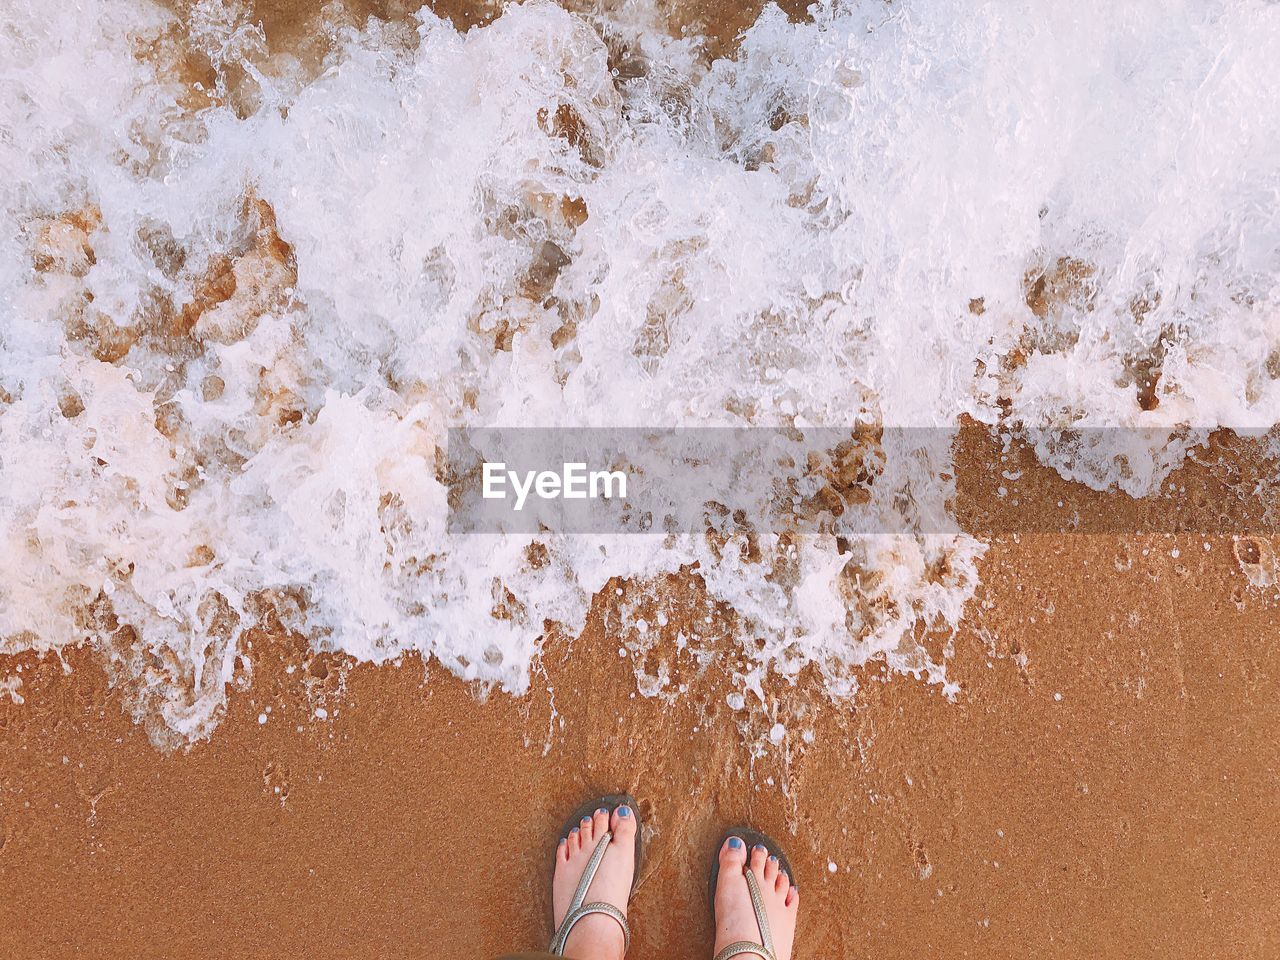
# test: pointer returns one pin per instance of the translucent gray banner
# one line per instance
(859, 480)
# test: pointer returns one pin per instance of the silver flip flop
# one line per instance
(577, 908)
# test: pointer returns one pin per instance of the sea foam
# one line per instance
(240, 315)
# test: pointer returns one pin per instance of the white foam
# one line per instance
(927, 155)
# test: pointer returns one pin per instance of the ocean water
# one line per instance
(243, 298)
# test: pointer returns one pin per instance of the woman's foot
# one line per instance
(735, 917)
(596, 936)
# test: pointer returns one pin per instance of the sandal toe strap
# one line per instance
(765, 947)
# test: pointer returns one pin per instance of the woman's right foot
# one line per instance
(735, 916)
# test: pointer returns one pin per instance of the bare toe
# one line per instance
(600, 822)
(623, 824)
(732, 853)
(781, 881)
(771, 870)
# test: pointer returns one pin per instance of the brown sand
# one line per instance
(1105, 784)
(1133, 817)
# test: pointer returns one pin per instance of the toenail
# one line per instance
(760, 846)
(603, 810)
(586, 819)
(624, 811)
(574, 830)
(563, 840)
(735, 843)
(774, 859)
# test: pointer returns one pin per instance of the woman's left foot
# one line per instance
(596, 936)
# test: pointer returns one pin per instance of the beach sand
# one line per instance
(1104, 785)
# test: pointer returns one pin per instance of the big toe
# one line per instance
(733, 853)
(622, 822)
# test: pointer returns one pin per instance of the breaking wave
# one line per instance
(244, 297)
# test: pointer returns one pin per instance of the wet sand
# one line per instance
(1104, 785)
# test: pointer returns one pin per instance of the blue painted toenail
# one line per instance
(574, 830)
(735, 843)
(760, 846)
(774, 859)
(603, 810)
(586, 819)
(624, 811)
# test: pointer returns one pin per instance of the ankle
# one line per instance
(595, 937)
